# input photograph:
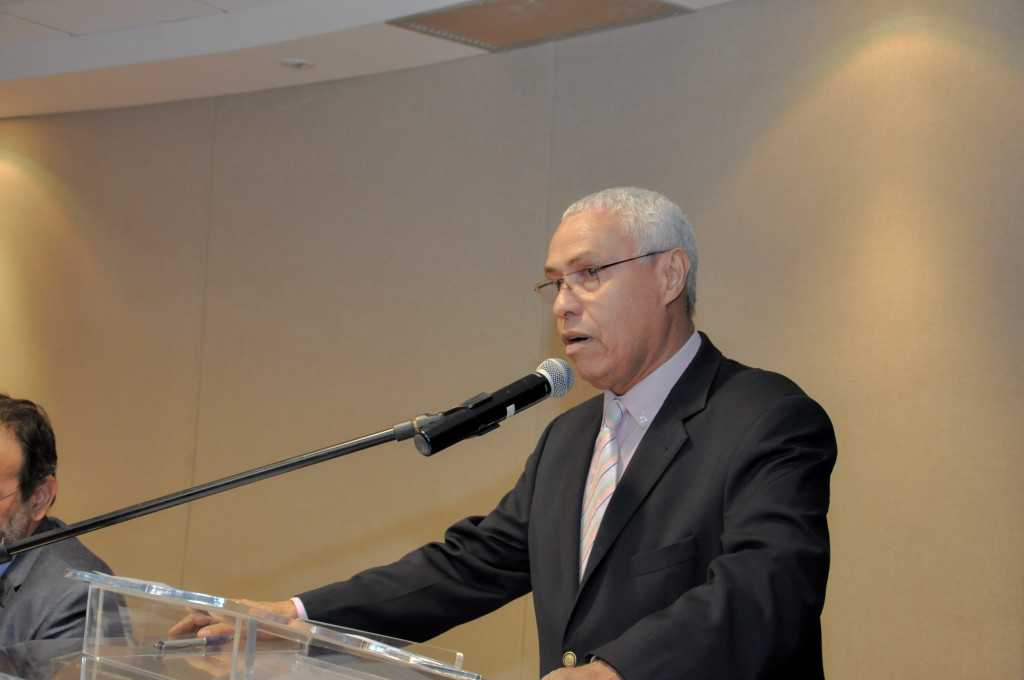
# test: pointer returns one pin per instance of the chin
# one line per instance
(590, 370)
(594, 381)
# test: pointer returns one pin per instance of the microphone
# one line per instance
(484, 412)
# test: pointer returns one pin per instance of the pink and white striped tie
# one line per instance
(599, 492)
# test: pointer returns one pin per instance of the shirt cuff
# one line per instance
(300, 608)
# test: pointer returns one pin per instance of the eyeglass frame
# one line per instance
(592, 272)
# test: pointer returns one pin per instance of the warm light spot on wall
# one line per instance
(16, 356)
(49, 271)
(898, 250)
(870, 161)
(908, 101)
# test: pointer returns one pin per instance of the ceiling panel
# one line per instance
(15, 31)
(78, 17)
(235, 5)
(499, 25)
(70, 55)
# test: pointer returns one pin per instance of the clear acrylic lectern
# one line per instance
(126, 639)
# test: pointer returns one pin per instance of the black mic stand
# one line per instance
(398, 433)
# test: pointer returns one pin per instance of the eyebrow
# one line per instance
(573, 264)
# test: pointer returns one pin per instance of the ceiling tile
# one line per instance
(78, 17)
(697, 4)
(499, 25)
(234, 5)
(17, 32)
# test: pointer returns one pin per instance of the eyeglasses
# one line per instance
(585, 280)
(17, 490)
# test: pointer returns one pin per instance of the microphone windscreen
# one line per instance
(560, 374)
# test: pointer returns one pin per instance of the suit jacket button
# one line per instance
(568, 659)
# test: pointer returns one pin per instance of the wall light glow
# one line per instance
(48, 271)
(877, 160)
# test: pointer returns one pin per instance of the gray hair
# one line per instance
(654, 223)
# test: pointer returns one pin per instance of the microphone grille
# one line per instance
(559, 374)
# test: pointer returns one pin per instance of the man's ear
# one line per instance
(42, 498)
(675, 267)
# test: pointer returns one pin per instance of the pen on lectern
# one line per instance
(188, 643)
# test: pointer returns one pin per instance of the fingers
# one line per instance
(598, 670)
(215, 629)
(204, 624)
(285, 608)
(190, 624)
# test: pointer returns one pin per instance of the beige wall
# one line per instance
(199, 288)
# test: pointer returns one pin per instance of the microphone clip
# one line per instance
(411, 428)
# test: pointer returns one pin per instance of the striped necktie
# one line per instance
(601, 486)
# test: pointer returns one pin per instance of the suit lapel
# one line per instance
(21, 566)
(659, 446)
(569, 519)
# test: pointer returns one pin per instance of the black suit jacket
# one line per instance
(39, 602)
(711, 560)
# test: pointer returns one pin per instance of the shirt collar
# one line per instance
(644, 400)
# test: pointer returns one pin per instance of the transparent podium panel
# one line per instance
(127, 639)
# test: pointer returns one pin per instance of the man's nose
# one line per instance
(566, 301)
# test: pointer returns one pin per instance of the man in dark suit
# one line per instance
(37, 602)
(681, 535)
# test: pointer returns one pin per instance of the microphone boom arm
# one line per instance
(432, 432)
(399, 432)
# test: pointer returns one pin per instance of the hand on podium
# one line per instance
(597, 670)
(207, 624)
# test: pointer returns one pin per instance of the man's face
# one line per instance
(617, 334)
(16, 521)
